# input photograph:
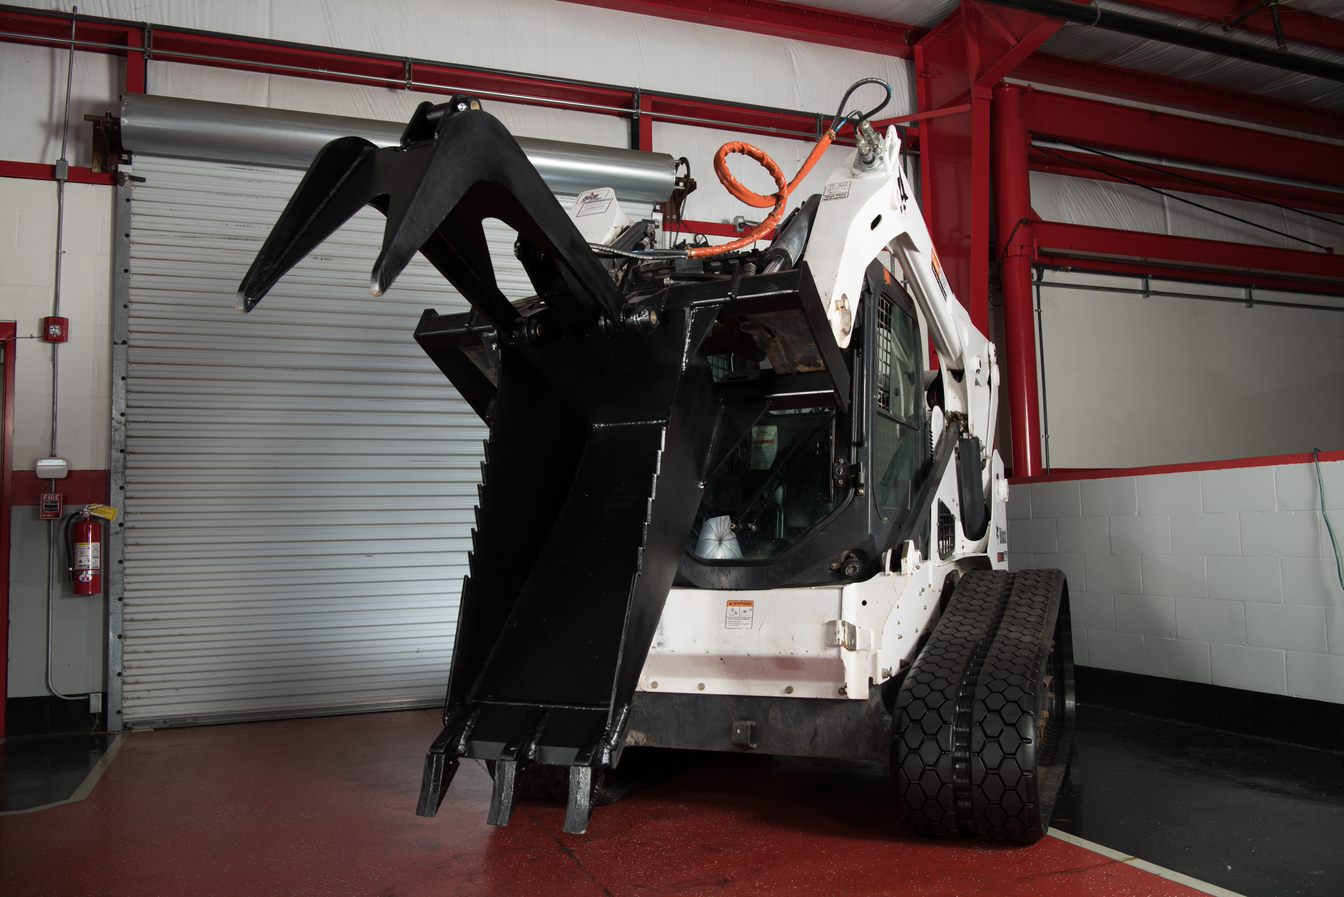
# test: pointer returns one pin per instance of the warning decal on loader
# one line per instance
(838, 190)
(738, 614)
(594, 202)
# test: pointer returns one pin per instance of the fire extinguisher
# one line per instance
(84, 547)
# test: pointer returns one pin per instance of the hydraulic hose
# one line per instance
(778, 200)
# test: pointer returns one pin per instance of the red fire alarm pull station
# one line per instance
(55, 330)
(51, 506)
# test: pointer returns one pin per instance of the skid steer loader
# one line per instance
(728, 501)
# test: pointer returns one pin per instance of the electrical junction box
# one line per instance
(55, 330)
(51, 468)
(51, 506)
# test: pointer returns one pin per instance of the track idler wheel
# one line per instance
(983, 721)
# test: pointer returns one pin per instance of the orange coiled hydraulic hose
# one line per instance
(779, 199)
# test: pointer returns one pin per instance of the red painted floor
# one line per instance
(326, 807)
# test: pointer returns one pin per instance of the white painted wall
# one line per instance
(1133, 381)
(544, 36)
(1224, 577)
(27, 253)
(1127, 207)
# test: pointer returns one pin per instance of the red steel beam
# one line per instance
(1059, 474)
(1191, 96)
(787, 20)
(45, 29)
(38, 171)
(731, 116)
(1244, 280)
(99, 35)
(137, 66)
(1299, 26)
(1080, 243)
(1112, 127)
(642, 132)
(998, 40)
(1167, 177)
(954, 154)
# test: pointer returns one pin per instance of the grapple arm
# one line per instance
(454, 168)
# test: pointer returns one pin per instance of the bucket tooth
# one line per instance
(579, 805)
(441, 763)
(501, 798)
(515, 755)
(438, 775)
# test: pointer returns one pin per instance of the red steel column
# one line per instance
(1012, 218)
(136, 63)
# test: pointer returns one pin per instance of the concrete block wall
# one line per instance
(1225, 577)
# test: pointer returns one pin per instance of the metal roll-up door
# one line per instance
(299, 482)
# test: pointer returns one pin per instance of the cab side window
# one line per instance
(898, 418)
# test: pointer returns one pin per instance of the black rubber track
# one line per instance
(965, 753)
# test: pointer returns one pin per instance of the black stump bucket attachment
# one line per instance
(604, 424)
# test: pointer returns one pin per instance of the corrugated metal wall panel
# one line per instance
(299, 481)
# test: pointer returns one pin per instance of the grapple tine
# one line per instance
(413, 217)
(340, 182)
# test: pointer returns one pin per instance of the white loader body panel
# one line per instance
(820, 642)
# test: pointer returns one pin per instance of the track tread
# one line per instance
(965, 758)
